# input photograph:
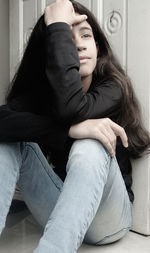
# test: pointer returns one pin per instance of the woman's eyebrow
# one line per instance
(85, 28)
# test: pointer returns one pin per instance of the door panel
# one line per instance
(114, 25)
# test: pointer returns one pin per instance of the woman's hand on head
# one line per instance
(62, 11)
(104, 130)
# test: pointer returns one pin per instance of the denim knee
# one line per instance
(87, 153)
(10, 153)
(88, 148)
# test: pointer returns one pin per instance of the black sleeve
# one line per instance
(25, 126)
(62, 70)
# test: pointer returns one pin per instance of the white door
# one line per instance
(126, 24)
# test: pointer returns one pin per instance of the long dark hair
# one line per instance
(31, 74)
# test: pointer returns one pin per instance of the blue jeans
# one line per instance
(91, 206)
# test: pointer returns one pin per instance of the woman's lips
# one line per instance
(83, 59)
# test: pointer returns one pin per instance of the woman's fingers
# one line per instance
(104, 130)
(78, 19)
(119, 131)
(62, 11)
(109, 139)
(106, 142)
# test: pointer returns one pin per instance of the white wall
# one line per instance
(138, 68)
(4, 48)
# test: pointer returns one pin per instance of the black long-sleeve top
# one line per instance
(62, 103)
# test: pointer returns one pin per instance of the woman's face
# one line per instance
(83, 38)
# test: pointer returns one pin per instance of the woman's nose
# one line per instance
(79, 43)
(81, 48)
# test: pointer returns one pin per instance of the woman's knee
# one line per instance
(9, 148)
(88, 153)
(89, 148)
(10, 155)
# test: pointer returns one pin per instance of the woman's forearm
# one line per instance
(104, 130)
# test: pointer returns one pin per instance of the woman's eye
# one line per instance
(86, 35)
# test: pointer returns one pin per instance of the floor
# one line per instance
(22, 234)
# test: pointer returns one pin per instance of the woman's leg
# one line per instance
(88, 170)
(87, 174)
(39, 185)
(10, 162)
(114, 215)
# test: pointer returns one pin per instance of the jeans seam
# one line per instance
(27, 144)
(109, 236)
